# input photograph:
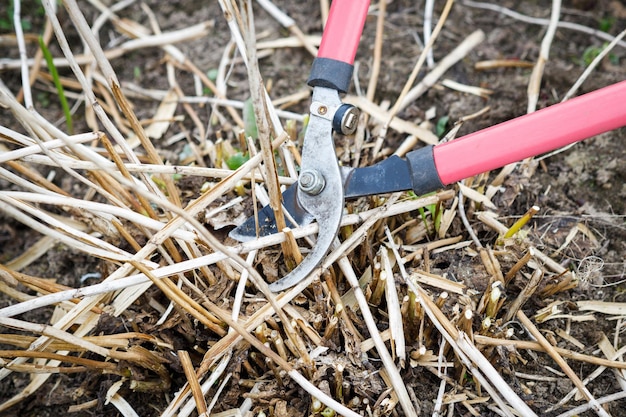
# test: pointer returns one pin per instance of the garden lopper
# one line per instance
(323, 185)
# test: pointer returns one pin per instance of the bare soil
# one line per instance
(583, 185)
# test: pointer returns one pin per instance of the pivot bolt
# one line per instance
(311, 182)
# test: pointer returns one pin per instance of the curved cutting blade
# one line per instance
(328, 220)
(318, 155)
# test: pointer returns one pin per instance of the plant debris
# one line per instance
(121, 293)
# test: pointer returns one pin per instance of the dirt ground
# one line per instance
(583, 185)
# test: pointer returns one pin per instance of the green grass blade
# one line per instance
(57, 83)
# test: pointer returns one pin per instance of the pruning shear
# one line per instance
(323, 185)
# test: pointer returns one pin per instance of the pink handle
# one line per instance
(533, 134)
(343, 30)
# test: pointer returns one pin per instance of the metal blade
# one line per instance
(388, 176)
(327, 209)
(266, 221)
(320, 184)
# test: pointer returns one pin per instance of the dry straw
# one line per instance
(380, 304)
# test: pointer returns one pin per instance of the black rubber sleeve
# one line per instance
(424, 175)
(330, 73)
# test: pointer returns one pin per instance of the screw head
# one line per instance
(311, 182)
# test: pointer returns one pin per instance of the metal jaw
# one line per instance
(320, 190)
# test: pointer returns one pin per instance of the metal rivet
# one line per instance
(322, 110)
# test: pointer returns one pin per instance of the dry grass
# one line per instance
(376, 295)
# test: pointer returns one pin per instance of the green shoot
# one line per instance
(442, 126)
(249, 120)
(6, 21)
(236, 160)
(592, 52)
(57, 83)
(212, 74)
(607, 23)
(434, 210)
(521, 222)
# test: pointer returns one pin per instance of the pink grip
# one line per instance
(532, 134)
(343, 30)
